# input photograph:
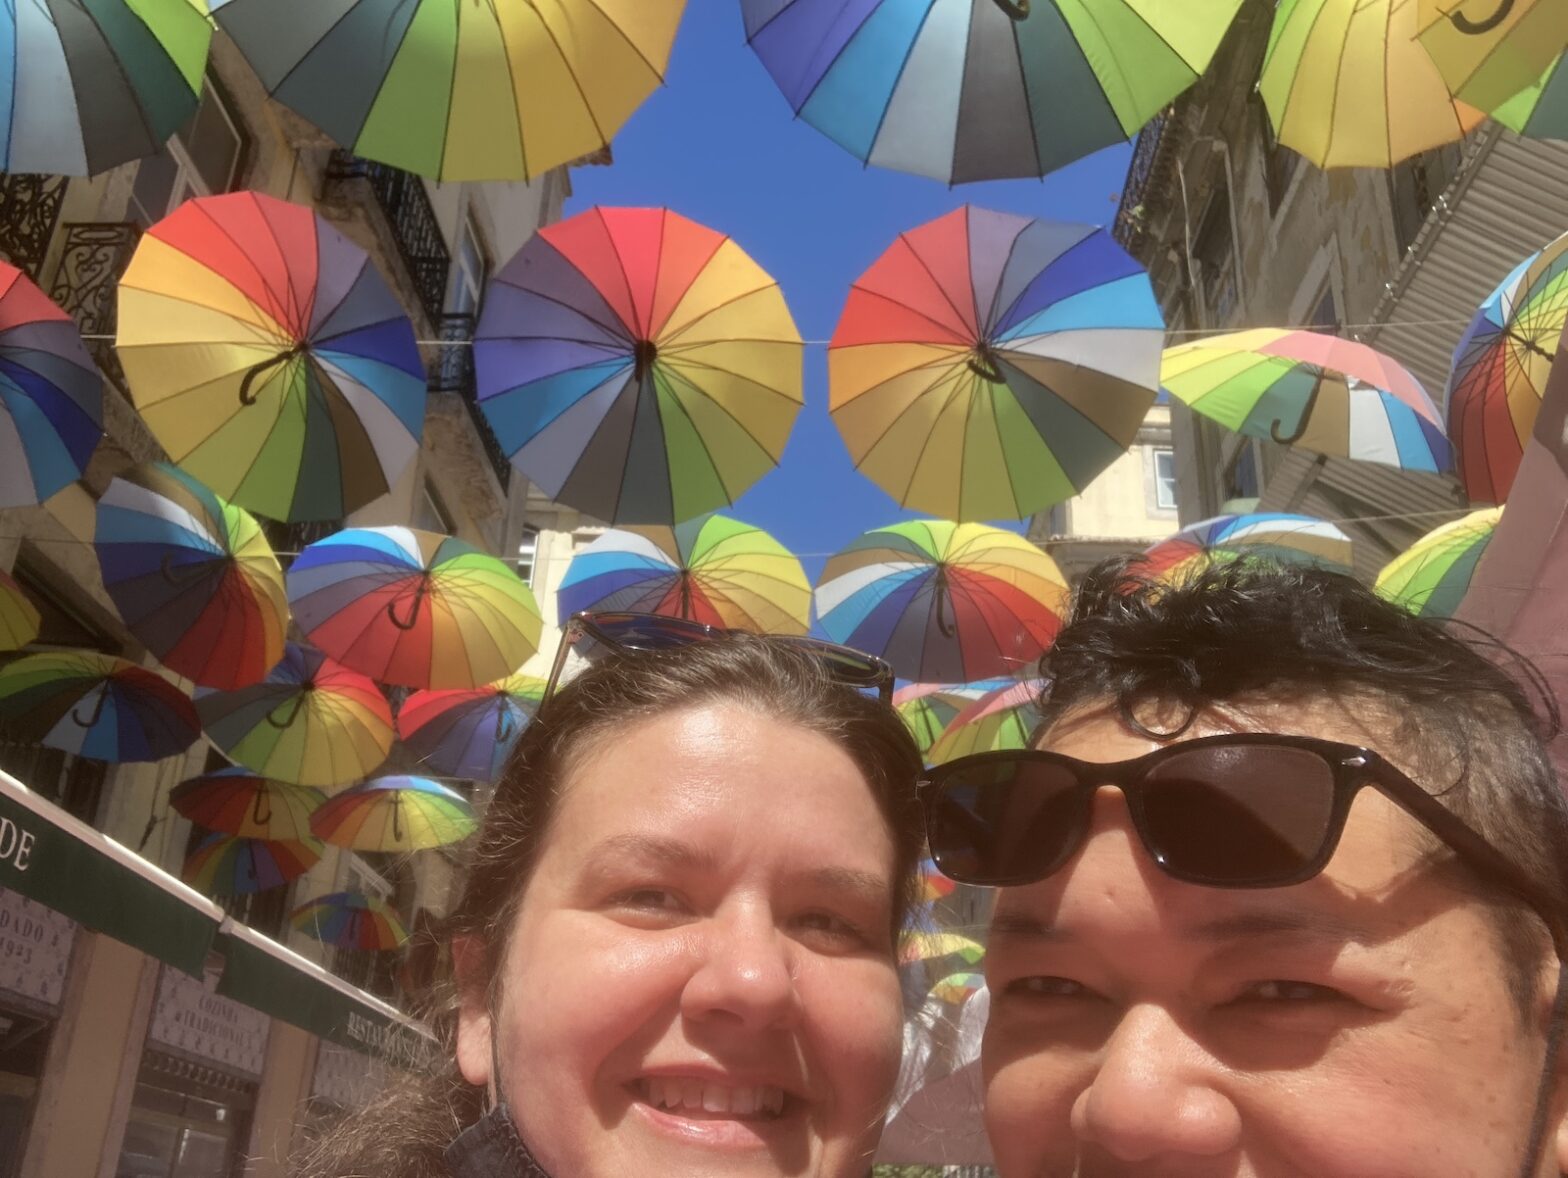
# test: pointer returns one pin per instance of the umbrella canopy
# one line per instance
(395, 814)
(51, 394)
(95, 705)
(1347, 84)
(637, 366)
(222, 865)
(19, 617)
(504, 90)
(934, 885)
(238, 802)
(1316, 391)
(928, 708)
(270, 358)
(414, 608)
(92, 85)
(469, 733)
(1500, 371)
(311, 721)
(919, 945)
(1275, 536)
(1540, 110)
(350, 921)
(958, 987)
(1002, 719)
(1489, 50)
(1432, 576)
(963, 90)
(193, 577)
(713, 570)
(988, 366)
(943, 602)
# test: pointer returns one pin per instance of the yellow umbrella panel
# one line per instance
(1489, 50)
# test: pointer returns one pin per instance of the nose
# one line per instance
(746, 974)
(1156, 1094)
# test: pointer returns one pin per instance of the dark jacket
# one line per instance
(492, 1148)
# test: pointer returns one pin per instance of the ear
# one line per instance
(474, 1051)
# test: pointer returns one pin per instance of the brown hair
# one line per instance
(405, 1132)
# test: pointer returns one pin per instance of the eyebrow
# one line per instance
(1264, 924)
(673, 852)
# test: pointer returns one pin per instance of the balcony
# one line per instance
(453, 372)
(1146, 180)
(29, 208)
(92, 259)
(415, 230)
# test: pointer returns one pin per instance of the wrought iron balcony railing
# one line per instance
(93, 258)
(29, 208)
(1132, 211)
(406, 206)
(453, 372)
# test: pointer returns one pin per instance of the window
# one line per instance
(1243, 480)
(1414, 187)
(527, 554)
(1217, 261)
(1165, 478)
(471, 271)
(430, 514)
(203, 158)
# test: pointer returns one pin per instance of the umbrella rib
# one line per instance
(707, 453)
(636, 48)
(898, 78)
(618, 328)
(954, 374)
(688, 362)
(719, 306)
(925, 445)
(1023, 77)
(119, 68)
(576, 82)
(942, 290)
(742, 426)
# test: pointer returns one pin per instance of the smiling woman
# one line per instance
(675, 949)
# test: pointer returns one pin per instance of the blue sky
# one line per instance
(720, 145)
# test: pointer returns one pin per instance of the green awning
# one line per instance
(268, 977)
(64, 864)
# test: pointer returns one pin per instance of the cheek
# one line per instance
(854, 1012)
(1028, 1101)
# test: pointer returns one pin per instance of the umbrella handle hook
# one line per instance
(982, 362)
(294, 706)
(1276, 430)
(644, 353)
(180, 575)
(247, 397)
(103, 695)
(943, 623)
(413, 614)
(1019, 9)
(503, 724)
(259, 815)
(397, 825)
(1529, 345)
(1486, 24)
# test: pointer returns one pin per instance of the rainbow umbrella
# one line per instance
(711, 569)
(1316, 391)
(920, 945)
(1488, 50)
(414, 608)
(1002, 719)
(943, 602)
(934, 885)
(238, 802)
(309, 722)
(94, 705)
(1500, 371)
(19, 618)
(395, 814)
(958, 987)
(963, 90)
(988, 366)
(351, 921)
(223, 865)
(193, 577)
(90, 85)
(51, 394)
(1540, 110)
(637, 366)
(1431, 577)
(503, 90)
(1273, 536)
(270, 358)
(928, 708)
(1347, 84)
(469, 733)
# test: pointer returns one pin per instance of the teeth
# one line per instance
(694, 1095)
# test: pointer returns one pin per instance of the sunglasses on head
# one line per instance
(1242, 810)
(632, 632)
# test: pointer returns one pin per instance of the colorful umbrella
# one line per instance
(222, 865)
(1002, 719)
(1488, 50)
(51, 394)
(958, 987)
(1316, 391)
(934, 885)
(193, 577)
(926, 946)
(95, 705)
(1500, 371)
(270, 358)
(964, 90)
(414, 608)
(89, 86)
(1273, 536)
(350, 921)
(395, 814)
(988, 366)
(928, 708)
(1541, 109)
(712, 569)
(236, 801)
(469, 733)
(1347, 84)
(503, 90)
(309, 722)
(637, 366)
(1431, 577)
(19, 617)
(943, 602)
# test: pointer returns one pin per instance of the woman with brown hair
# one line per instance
(675, 949)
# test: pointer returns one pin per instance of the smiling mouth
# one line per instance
(702, 1100)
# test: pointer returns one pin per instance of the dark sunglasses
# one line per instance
(1242, 810)
(654, 632)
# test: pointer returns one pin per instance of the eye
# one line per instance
(826, 930)
(649, 900)
(1283, 990)
(1047, 986)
